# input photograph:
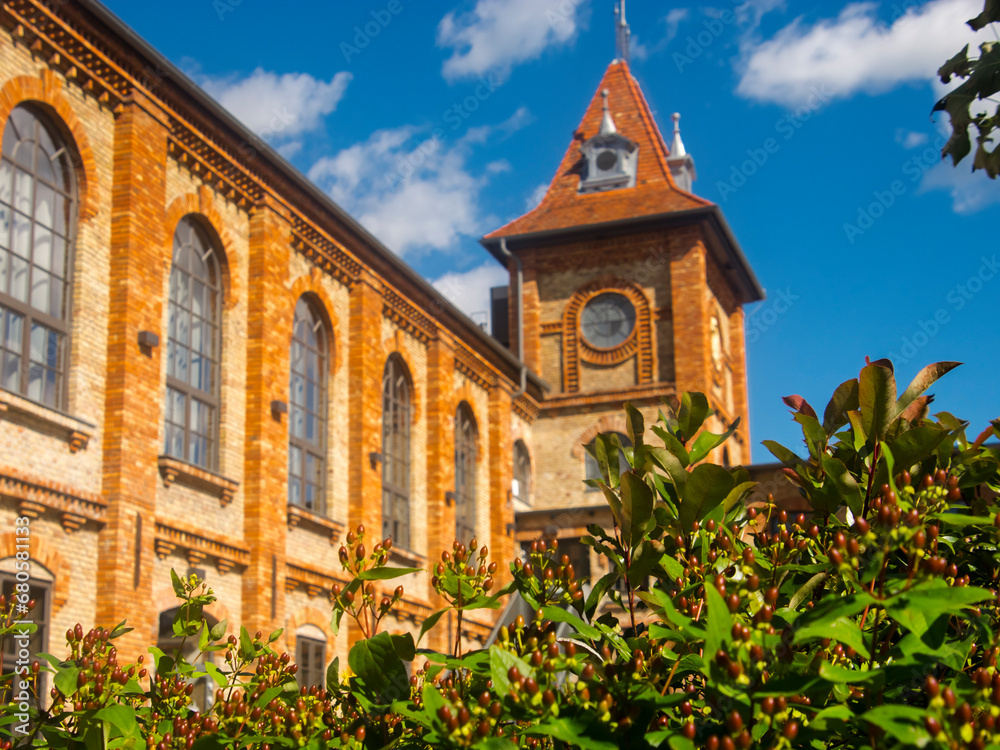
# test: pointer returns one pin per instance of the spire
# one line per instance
(607, 122)
(680, 161)
(622, 32)
(677, 145)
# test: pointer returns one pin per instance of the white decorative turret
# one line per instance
(680, 162)
(607, 122)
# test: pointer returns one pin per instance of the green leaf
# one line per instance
(707, 486)
(216, 674)
(647, 556)
(693, 412)
(844, 484)
(877, 397)
(247, 650)
(844, 400)
(405, 648)
(904, 724)
(814, 434)
(65, 680)
(635, 425)
(843, 675)
(843, 630)
(673, 445)
(219, 631)
(913, 446)
(637, 508)
(919, 607)
(719, 622)
(706, 442)
(558, 614)
(924, 380)
(377, 664)
(430, 622)
(807, 588)
(573, 731)
(782, 453)
(957, 519)
(386, 574)
(121, 717)
(177, 584)
(501, 661)
(333, 675)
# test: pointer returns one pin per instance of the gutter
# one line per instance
(520, 316)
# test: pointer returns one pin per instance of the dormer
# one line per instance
(610, 160)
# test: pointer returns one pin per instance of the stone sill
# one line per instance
(174, 470)
(305, 518)
(77, 432)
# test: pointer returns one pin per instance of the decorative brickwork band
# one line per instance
(173, 470)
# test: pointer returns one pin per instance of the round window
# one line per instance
(607, 160)
(608, 320)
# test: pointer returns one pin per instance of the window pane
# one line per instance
(19, 279)
(45, 206)
(23, 187)
(22, 236)
(5, 226)
(6, 180)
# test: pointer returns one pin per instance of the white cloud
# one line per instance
(970, 191)
(496, 35)
(469, 290)
(277, 107)
(909, 139)
(855, 52)
(673, 22)
(532, 201)
(412, 191)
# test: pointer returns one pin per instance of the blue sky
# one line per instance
(809, 123)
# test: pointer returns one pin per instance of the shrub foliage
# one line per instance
(870, 621)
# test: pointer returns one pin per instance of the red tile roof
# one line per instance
(655, 192)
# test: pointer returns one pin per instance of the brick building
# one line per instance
(207, 364)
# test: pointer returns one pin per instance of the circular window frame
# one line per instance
(590, 299)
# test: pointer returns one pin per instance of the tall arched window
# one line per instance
(193, 348)
(466, 436)
(307, 410)
(396, 453)
(37, 223)
(521, 488)
(593, 470)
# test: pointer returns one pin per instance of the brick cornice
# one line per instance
(526, 408)
(321, 249)
(469, 365)
(405, 315)
(652, 392)
(197, 546)
(37, 496)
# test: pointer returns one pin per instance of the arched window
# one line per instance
(37, 223)
(193, 348)
(171, 644)
(592, 468)
(521, 488)
(466, 436)
(307, 410)
(396, 453)
(40, 587)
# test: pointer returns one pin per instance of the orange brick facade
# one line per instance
(111, 514)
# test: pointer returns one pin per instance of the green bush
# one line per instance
(870, 622)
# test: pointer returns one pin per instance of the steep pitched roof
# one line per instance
(655, 192)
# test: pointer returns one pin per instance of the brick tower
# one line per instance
(625, 286)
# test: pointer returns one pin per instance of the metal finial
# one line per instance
(622, 32)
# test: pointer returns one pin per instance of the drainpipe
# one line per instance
(520, 315)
